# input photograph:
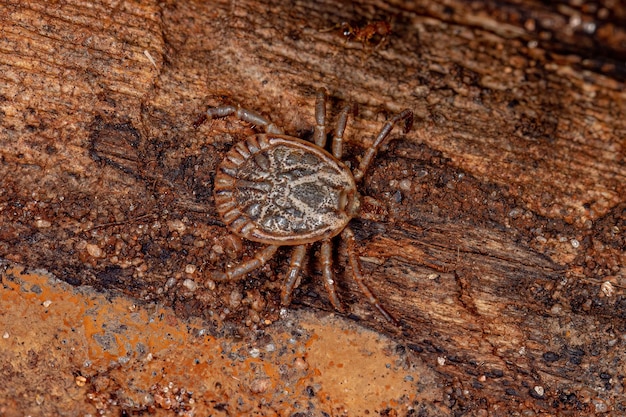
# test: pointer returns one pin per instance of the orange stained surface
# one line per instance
(81, 352)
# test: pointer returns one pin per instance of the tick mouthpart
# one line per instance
(350, 203)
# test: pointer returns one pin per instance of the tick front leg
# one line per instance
(341, 128)
(260, 258)
(293, 277)
(348, 235)
(319, 134)
(245, 115)
(327, 274)
(406, 115)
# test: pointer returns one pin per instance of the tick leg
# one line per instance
(293, 277)
(245, 115)
(319, 134)
(407, 115)
(327, 273)
(341, 128)
(260, 258)
(348, 235)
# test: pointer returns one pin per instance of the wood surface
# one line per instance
(494, 230)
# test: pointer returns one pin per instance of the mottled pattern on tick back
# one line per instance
(278, 189)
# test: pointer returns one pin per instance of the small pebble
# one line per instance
(46, 303)
(556, 309)
(600, 405)
(94, 250)
(575, 243)
(516, 212)
(199, 243)
(301, 364)
(260, 385)
(539, 390)
(254, 316)
(190, 284)
(42, 224)
(80, 380)
(190, 269)
(176, 225)
(235, 299)
(607, 288)
(5, 335)
(405, 184)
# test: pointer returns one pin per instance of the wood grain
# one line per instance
(492, 228)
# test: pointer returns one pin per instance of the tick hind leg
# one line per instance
(348, 235)
(327, 273)
(245, 115)
(260, 258)
(293, 276)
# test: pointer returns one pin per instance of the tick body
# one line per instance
(279, 190)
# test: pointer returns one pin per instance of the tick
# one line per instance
(279, 190)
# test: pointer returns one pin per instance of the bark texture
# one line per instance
(495, 228)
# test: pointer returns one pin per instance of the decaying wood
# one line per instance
(496, 233)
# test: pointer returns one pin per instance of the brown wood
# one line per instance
(495, 228)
